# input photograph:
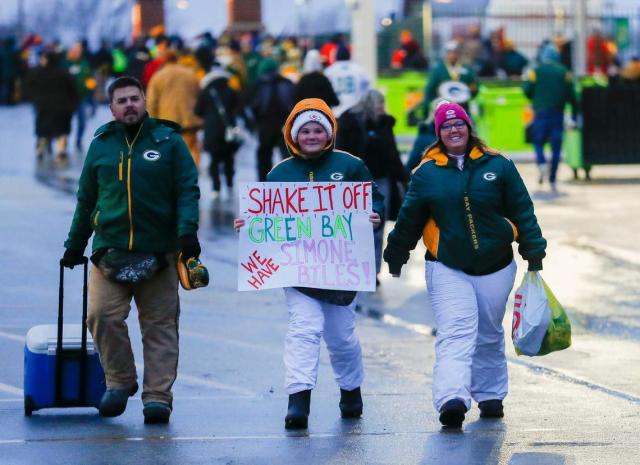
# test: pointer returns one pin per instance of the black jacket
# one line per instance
(216, 92)
(272, 99)
(374, 142)
(316, 85)
(54, 95)
(53, 90)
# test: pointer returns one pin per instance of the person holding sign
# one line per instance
(469, 203)
(309, 134)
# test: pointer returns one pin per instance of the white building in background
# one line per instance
(191, 17)
(185, 17)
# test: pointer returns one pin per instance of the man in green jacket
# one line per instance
(449, 69)
(78, 67)
(138, 195)
(549, 87)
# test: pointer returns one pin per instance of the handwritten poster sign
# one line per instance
(309, 234)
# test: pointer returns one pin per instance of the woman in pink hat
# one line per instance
(469, 204)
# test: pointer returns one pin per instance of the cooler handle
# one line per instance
(83, 344)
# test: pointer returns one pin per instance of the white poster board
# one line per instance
(307, 234)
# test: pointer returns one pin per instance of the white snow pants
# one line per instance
(309, 320)
(470, 357)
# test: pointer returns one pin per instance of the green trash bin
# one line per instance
(500, 117)
(403, 92)
(572, 148)
(572, 152)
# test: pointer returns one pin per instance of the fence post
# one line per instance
(580, 42)
(363, 36)
(427, 32)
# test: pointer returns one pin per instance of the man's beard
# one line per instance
(131, 119)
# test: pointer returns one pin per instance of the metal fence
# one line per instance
(526, 25)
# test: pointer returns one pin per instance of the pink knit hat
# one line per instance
(447, 110)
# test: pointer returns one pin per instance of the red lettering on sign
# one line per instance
(366, 194)
(318, 189)
(257, 201)
(260, 269)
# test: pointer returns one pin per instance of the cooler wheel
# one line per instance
(28, 406)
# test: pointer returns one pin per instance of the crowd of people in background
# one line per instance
(312, 101)
(217, 84)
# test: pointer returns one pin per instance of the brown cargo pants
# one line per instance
(158, 312)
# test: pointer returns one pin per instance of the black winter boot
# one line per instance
(452, 413)
(298, 410)
(350, 403)
(491, 408)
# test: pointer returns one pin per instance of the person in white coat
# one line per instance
(349, 81)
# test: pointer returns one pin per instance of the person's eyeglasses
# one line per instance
(458, 125)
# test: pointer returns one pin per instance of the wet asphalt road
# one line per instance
(580, 406)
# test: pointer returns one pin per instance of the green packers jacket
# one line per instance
(136, 195)
(550, 87)
(468, 218)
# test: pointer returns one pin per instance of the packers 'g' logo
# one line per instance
(151, 155)
(489, 176)
(337, 176)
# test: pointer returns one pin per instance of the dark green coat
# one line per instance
(141, 199)
(550, 87)
(468, 218)
(81, 71)
(440, 74)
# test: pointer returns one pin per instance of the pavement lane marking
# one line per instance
(195, 380)
(9, 389)
(418, 328)
(227, 340)
(587, 243)
(269, 437)
(12, 336)
(301, 435)
(538, 369)
(206, 382)
(426, 330)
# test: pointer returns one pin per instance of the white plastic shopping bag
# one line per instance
(531, 315)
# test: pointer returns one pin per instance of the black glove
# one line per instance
(189, 246)
(535, 265)
(72, 258)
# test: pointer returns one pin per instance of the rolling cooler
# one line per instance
(61, 364)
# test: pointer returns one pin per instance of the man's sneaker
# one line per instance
(350, 403)
(452, 413)
(156, 412)
(491, 408)
(114, 401)
(298, 410)
(542, 173)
